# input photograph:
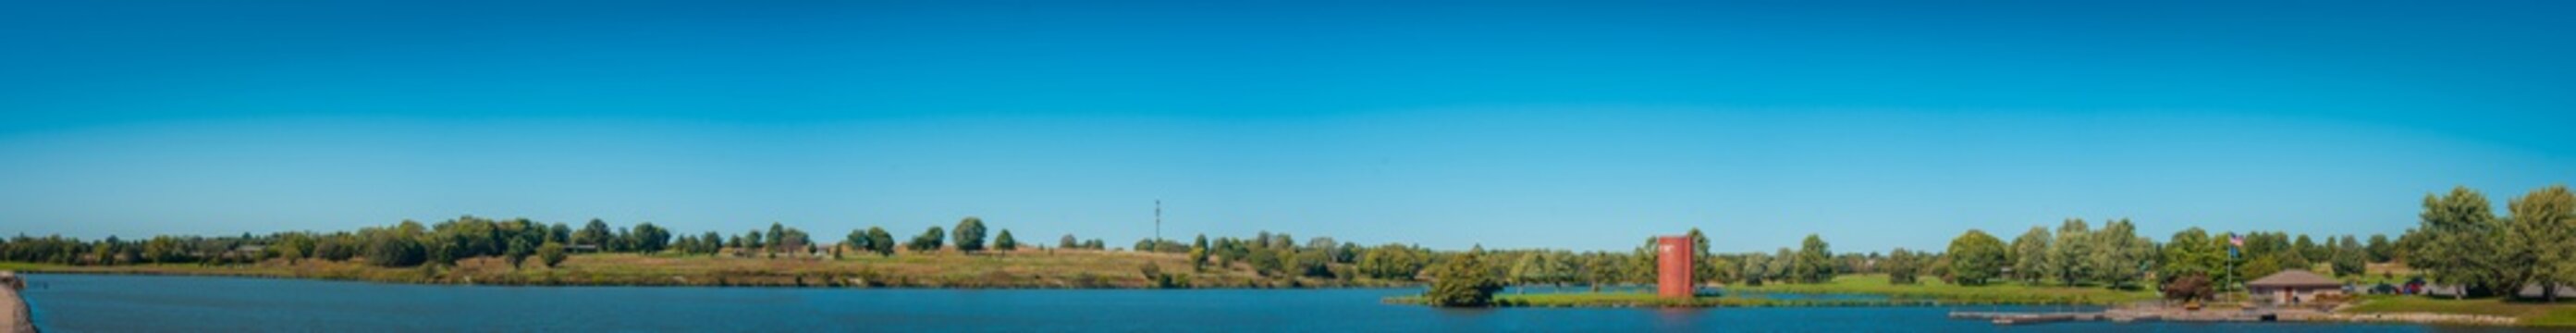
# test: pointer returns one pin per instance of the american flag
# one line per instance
(2237, 240)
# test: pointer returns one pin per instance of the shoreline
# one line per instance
(744, 286)
(1079, 271)
(15, 315)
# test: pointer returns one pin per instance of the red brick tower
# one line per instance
(1673, 266)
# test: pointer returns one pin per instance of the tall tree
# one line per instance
(594, 233)
(2191, 252)
(1815, 263)
(2460, 242)
(1198, 251)
(777, 236)
(2066, 255)
(2030, 255)
(970, 235)
(928, 241)
(2350, 259)
(1464, 281)
(1004, 241)
(1699, 249)
(2539, 246)
(2379, 248)
(552, 253)
(2119, 257)
(1901, 266)
(1975, 258)
(650, 238)
(519, 251)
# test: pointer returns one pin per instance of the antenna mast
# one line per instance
(1158, 220)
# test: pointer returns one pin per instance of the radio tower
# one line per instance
(1158, 220)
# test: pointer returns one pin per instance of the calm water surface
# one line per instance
(99, 303)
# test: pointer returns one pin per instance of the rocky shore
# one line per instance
(13, 310)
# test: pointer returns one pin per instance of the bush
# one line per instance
(552, 252)
(396, 252)
(1465, 281)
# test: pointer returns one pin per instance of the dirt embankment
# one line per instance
(13, 310)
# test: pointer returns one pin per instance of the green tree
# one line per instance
(2189, 252)
(2460, 247)
(2539, 245)
(1391, 262)
(2350, 259)
(2067, 255)
(970, 235)
(1699, 249)
(2380, 249)
(552, 253)
(1198, 252)
(1901, 266)
(1815, 262)
(1004, 241)
(2029, 255)
(928, 241)
(1464, 281)
(384, 251)
(594, 234)
(860, 240)
(881, 241)
(519, 251)
(2119, 256)
(1601, 267)
(1756, 269)
(650, 238)
(1975, 258)
(1542, 267)
(2308, 249)
(777, 237)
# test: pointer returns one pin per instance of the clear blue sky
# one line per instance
(1502, 123)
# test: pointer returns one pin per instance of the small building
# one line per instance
(1673, 267)
(2294, 287)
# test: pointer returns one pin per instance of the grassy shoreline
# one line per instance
(2559, 315)
(1930, 293)
(1022, 269)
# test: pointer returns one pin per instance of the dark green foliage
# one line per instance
(880, 241)
(1464, 281)
(1975, 258)
(519, 251)
(594, 233)
(1901, 266)
(970, 235)
(1392, 262)
(552, 254)
(1815, 261)
(396, 252)
(928, 240)
(649, 238)
(1004, 241)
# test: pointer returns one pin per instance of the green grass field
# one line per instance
(1928, 293)
(1932, 289)
(2532, 314)
(1018, 269)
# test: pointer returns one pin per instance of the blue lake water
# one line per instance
(101, 303)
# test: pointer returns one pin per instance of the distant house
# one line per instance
(2293, 287)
